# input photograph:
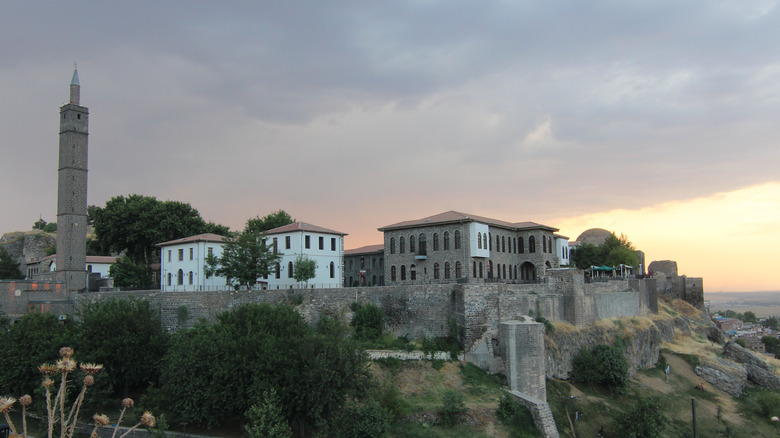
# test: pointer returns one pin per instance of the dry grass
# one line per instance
(686, 309)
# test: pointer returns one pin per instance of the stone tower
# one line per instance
(72, 192)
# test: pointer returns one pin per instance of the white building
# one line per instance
(183, 260)
(94, 265)
(324, 246)
(562, 249)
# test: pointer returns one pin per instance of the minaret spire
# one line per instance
(75, 88)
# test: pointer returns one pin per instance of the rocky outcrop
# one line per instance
(666, 267)
(27, 246)
(757, 369)
(727, 376)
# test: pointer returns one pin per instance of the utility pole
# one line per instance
(693, 413)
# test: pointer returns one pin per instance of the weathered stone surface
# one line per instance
(724, 375)
(667, 267)
(758, 371)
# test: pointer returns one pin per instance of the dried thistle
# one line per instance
(66, 352)
(47, 383)
(91, 368)
(128, 402)
(148, 419)
(89, 380)
(66, 365)
(101, 420)
(6, 403)
(25, 400)
(47, 369)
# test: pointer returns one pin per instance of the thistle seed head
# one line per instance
(89, 380)
(128, 402)
(25, 400)
(66, 365)
(6, 403)
(66, 352)
(47, 369)
(148, 419)
(101, 420)
(47, 383)
(91, 368)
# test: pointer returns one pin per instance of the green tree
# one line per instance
(266, 419)
(9, 268)
(214, 372)
(613, 252)
(41, 224)
(604, 365)
(135, 224)
(268, 222)
(34, 339)
(586, 255)
(772, 322)
(750, 317)
(644, 419)
(245, 258)
(368, 322)
(452, 406)
(304, 268)
(131, 276)
(125, 336)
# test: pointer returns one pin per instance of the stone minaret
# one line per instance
(72, 192)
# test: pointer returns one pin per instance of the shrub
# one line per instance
(360, 420)
(267, 418)
(452, 407)
(368, 322)
(645, 419)
(390, 398)
(605, 365)
(769, 403)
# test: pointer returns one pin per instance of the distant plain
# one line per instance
(763, 304)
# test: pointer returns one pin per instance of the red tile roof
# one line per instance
(207, 237)
(456, 217)
(302, 226)
(365, 249)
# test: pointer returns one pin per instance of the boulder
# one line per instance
(758, 371)
(666, 267)
(729, 377)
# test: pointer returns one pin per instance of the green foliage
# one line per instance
(750, 317)
(644, 419)
(52, 250)
(304, 268)
(245, 258)
(34, 339)
(604, 365)
(125, 336)
(360, 420)
(390, 363)
(331, 326)
(613, 252)
(215, 372)
(135, 224)
(182, 314)
(769, 403)
(476, 376)
(276, 219)
(9, 268)
(390, 398)
(741, 343)
(129, 275)
(437, 364)
(516, 417)
(368, 322)
(452, 407)
(772, 344)
(48, 227)
(772, 322)
(266, 419)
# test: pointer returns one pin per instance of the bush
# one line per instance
(266, 419)
(452, 407)
(368, 322)
(769, 403)
(605, 365)
(390, 398)
(360, 420)
(516, 417)
(645, 419)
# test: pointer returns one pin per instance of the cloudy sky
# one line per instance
(657, 119)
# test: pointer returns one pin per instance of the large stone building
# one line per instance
(466, 248)
(364, 266)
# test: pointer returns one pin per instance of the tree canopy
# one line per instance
(276, 219)
(245, 258)
(9, 268)
(135, 224)
(128, 275)
(304, 268)
(613, 252)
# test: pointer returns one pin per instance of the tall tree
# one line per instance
(135, 224)
(304, 268)
(125, 336)
(9, 268)
(245, 258)
(129, 275)
(613, 252)
(276, 219)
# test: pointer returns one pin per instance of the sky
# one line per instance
(653, 119)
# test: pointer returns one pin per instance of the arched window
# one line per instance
(479, 240)
(189, 277)
(392, 273)
(458, 269)
(520, 245)
(403, 272)
(498, 244)
(422, 245)
(457, 239)
(392, 245)
(446, 240)
(401, 245)
(332, 270)
(435, 241)
(474, 269)
(373, 280)
(503, 243)
(412, 248)
(532, 244)
(180, 277)
(503, 269)
(549, 244)
(412, 273)
(446, 270)
(289, 269)
(490, 269)
(169, 278)
(278, 270)
(515, 272)
(480, 269)
(514, 243)
(485, 241)
(490, 242)
(435, 271)
(544, 244)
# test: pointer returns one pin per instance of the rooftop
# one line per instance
(457, 217)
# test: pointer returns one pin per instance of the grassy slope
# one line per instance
(421, 385)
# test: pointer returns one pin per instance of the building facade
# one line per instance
(182, 263)
(364, 266)
(324, 246)
(459, 247)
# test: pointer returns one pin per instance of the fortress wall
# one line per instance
(617, 304)
(24, 296)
